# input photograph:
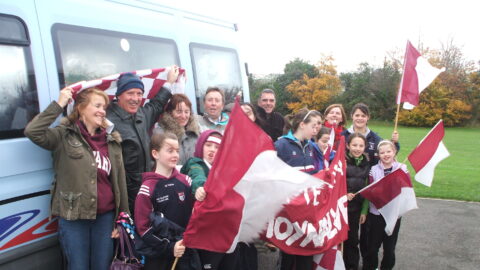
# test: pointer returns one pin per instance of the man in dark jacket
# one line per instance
(134, 123)
(272, 122)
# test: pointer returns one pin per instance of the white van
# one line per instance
(47, 44)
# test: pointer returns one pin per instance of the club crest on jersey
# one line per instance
(181, 196)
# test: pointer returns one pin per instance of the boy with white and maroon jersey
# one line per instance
(162, 209)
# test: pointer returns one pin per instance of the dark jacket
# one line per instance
(162, 210)
(271, 123)
(372, 142)
(318, 157)
(74, 189)
(296, 154)
(134, 129)
(357, 178)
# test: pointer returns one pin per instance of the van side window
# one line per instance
(215, 66)
(18, 91)
(88, 53)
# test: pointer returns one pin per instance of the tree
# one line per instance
(294, 70)
(316, 92)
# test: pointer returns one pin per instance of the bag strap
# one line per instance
(127, 242)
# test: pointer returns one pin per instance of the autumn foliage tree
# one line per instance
(447, 97)
(316, 92)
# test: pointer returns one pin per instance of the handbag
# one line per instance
(123, 261)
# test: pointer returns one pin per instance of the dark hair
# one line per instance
(323, 130)
(81, 101)
(175, 100)
(303, 115)
(215, 89)
(266, 91)
(340, 106)
(258, 120)
(356, 135)
(362, 107)
(288, 123)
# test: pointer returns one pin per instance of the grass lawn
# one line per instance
(456, 177)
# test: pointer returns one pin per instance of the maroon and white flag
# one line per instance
(429, 152)
(153, 80)
(331, 259)
(246, 187)
(417, 75)
(393, 196)
(316, 220)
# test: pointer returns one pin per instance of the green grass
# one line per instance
(456, 177)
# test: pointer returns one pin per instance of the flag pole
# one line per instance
(174, 263)
(396, 118)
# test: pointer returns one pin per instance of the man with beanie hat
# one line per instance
(134, 123)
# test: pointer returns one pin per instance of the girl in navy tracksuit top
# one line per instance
(295, 150)
(162, 209)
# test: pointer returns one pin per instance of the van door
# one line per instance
(25, 174)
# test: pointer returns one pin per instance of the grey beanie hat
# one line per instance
(128, 81)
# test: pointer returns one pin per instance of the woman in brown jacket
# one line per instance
(89, 188)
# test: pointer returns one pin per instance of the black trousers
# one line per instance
(351, 255)
(222, 261)
(376, 238)
(295, 262)
(247, 257)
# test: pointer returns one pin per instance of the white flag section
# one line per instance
(246, 187)
(426, 73)
(429, 152)
(270, 176)
(417, 75)
(329, 260)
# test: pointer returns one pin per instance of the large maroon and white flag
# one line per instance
(417, 75)
(331, 259)
(429, 152)
(246, 187)
(316, 220)
(393, 196)
(153, 80)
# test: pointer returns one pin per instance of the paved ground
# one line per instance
(439, 235)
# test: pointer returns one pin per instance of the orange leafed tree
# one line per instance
(316, 93)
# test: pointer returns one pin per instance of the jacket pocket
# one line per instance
(74, 147)
(70, 204)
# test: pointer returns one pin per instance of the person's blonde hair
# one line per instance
(387, 142)
(81, 101)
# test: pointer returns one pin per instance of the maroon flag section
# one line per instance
(388, 188)
(316, 220)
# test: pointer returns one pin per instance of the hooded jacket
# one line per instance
(295, 153)
(187, 136)
(74, 189)
(170, 201)
(196, 168)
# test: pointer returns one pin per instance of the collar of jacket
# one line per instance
(168, 123)
(367, 131)
(223, 119)
(112, 136)
(124, 115)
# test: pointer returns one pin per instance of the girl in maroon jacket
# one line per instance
(163, 207)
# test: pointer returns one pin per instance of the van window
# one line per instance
(18, 91)
(215, 66)
(87, 53)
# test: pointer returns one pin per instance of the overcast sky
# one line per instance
(353, 31)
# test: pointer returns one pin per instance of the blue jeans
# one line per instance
(87, 244)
